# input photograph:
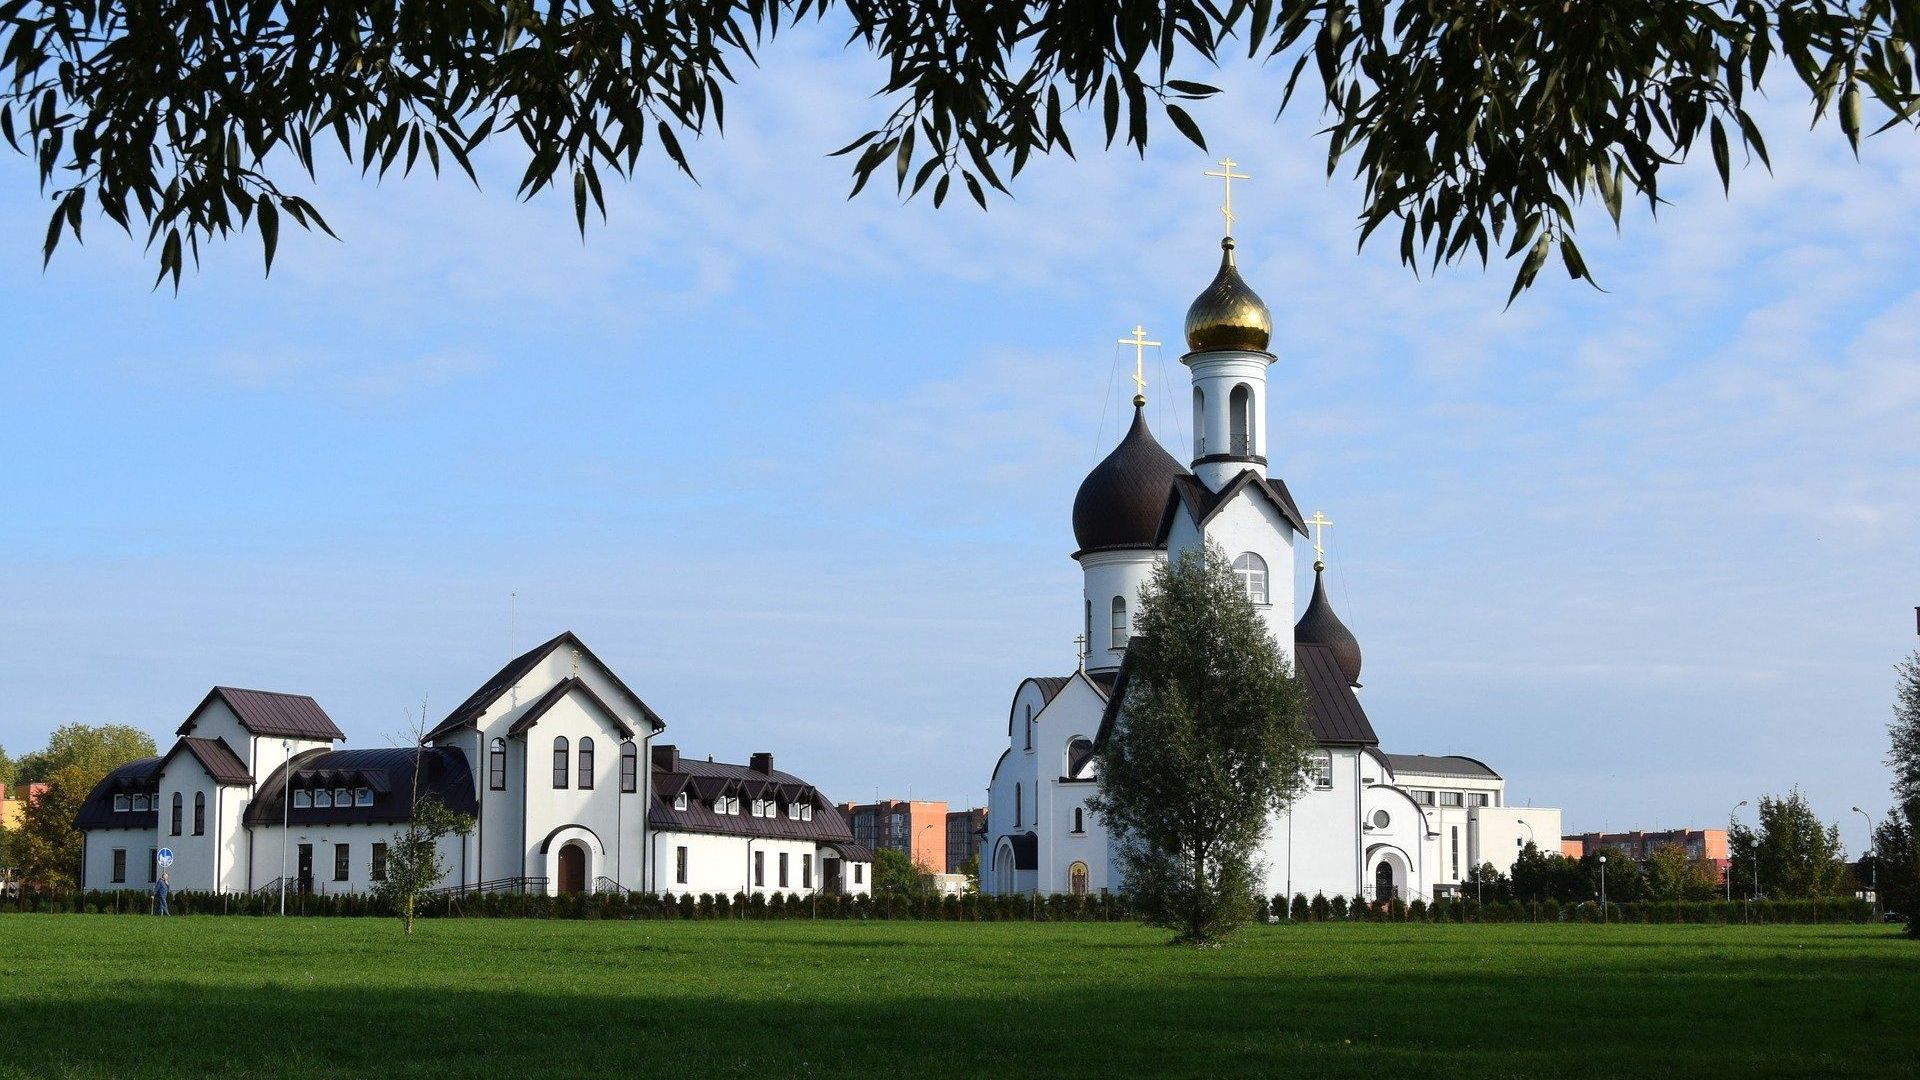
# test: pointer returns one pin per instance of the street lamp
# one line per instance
(1603, 889)
(1873, 871)
(286, 802)
(1734, 816)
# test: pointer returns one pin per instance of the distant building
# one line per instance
(965, 830)
(1699, 844)
(916, 828)
(13, 807)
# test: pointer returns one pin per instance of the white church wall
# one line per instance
(617, 820)
(1394, 830)
(723, 865)
(262, 754)
(196, 859)
(1107, 575)
(1250, 523)
(268, 842)
(1089, 845)
(500, 829)
(97, 858)
(1215, 374)
(1314, 846)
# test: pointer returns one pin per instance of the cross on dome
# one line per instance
(1139, 342)
(1227, 176)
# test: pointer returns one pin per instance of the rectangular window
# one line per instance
(199, 814)
(142, 803)
(806, 871)
(759, 868)
(378, 872)
(497, 766)
(859, 872)
(119, 866)
(680, 865)
(340, 862)
(629, 770)
(1456, 852)
(783, 869)
(1478, 798)
(302, 800)
(1451, 798)
(122, 804)
(1323, 770)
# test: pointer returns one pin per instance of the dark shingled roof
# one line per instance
(215, 756)
(1334, 715)
(263, 712)
(1438, 765)
(140, 776)
(1202, 503)
(478, 702)
(552, 697)
(707, 779)
(1320, 626)
(444, 774)
(1119, 503)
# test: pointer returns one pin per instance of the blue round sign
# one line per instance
(165, 857)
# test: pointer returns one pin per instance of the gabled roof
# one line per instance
(1051, 685)
(263, 712)
(709, 779)
(554, 696)
(477, 703)
(1334, 715)
(1440, 765)
(1203, 503)
(215, 756)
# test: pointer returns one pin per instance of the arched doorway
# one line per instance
(1383, 880)
(573, 868)
(1003, 868)
(1077, 879)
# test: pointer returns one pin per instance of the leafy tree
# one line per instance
(48, 847)
(1486, 883)
(414, 862)
(1209, 744)
(1474, 127)
(1625, 882)
(1896, 844)
(7, 770)
(1798, 856)
(1671, 875)
(1896, 864)
(971, 868)
(894, 872)
(1904, 733)
(99, 749)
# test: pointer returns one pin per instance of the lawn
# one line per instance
(100, 996)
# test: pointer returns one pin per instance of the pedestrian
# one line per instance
(161, 890)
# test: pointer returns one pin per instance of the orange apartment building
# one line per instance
(1708, 844)
(913, 827)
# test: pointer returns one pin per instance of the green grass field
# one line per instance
(105, 996)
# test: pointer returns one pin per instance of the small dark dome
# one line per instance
(1121, 500)
(1320, 626)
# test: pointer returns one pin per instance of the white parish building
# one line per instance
(554, 758)
(1369, 824)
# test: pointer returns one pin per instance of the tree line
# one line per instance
(45, 848)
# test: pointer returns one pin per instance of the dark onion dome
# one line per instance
(1320, 626)
(1229, 314)
(1120, 502)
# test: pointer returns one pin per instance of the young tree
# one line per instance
(1672, 875)
(1797, 856)
(1210, 742)
(414, 863)
(1624, 880)
(99, 749)
(894, 873)
(971, 868)
(1485, 883)
(48, 847)
(1476, 128)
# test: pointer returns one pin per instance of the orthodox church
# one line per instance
(1369, 824)
(547, 759)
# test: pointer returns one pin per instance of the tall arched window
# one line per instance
(1120, 626)
(1016, 805)
(177, 804)
(586, 763)
(1250, 572)
(199, 813)
(1240, 416)
(1087, 642)
(629, 768)
(1199, 423)
(1028, 727)
(1077, 879)
(559, 761)
(497, 765)
(1079, 820)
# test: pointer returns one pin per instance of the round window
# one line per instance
(1381, 819)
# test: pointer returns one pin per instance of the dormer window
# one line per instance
(806, 812)
(303, 799)
(122, 804)
(363, 797)
(323, 799)
(680, 801)
(342, 797)
(141, 804)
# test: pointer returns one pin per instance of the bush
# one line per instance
(1298, 911)
(1340, 908)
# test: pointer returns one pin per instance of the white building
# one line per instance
(1369, 824)
(547, 759)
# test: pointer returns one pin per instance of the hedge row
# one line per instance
(971, 908)
(1462, 910)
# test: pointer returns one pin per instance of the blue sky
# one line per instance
(801, 468)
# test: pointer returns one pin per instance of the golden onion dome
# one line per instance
(1229, 314)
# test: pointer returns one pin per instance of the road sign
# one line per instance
(164, 857)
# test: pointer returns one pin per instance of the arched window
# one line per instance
(1016, 806)
(1029, 727)
(1079, 752)
(629, 768)
(586, 763)
(1240, 416)
(1321, 769)
(559, 761)
(199, 813)
(1199, 423)
(1077, 879)
(177, 804)
(1250, 572)
(497, 765)
(1079, 820)
(1120, 626)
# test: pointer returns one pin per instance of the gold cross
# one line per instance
(1320, 523)
(1139, 342)
(1227, 176)
(1080, 649)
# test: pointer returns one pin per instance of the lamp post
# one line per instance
(1873, 871)
(1603, 889)
(1734, 816)
(286, 802)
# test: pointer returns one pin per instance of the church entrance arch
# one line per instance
(1383, 881)
(1003, 867)
(573, 867)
